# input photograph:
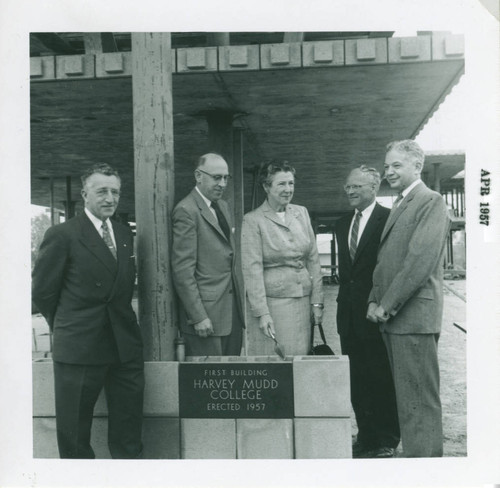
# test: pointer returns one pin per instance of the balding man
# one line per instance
(203, 264)
(372, 388)
(407, 297)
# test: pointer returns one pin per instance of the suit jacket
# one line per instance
(203, 266)
(279, 259)
(408, 278)
(85, 294)
(356, 277)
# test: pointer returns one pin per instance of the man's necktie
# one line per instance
(222, 220)
(397, 201)
(353, 243)
(107, 238)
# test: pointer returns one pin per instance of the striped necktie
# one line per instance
(107, 238)
(353, 243)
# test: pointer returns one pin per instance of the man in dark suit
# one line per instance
(83, 282)
(203, 264)
(372, 388)
(407, 297)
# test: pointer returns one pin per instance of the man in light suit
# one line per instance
(407, 297)
(372, 389)
(203, 264)
(83, 283)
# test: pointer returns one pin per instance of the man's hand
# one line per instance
(266, 321)
(204, 328)
(376, 313)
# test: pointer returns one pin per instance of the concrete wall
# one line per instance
(321, 427)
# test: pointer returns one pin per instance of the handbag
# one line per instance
(321, 349)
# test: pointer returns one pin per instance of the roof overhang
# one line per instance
(324, 109)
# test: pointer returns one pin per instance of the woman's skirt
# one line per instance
(292, 323)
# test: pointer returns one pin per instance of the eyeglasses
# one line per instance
(216, 178)
(355, 187)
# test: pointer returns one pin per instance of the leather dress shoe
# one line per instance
(381, 452)
(360, 450)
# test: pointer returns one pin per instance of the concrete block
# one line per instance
(279, 56)
(161, 438)
(208, 438)
(43, 391)
(321, 386)
(366, 51)
(264, 438)
(45, 438)
(447, 46)
(454, 45)
(323, 438)
(239, 58)
(409, 49)
(161, 394)
(42, 68)
(108, 65)
(196, 59)
(322, 53)
(75, 67)
(43, 388)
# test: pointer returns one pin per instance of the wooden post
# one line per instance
(154, 190)
(220, 140)
(238, 176)
(437, 177)
(52, 203)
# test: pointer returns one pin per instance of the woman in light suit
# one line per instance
(281, 267)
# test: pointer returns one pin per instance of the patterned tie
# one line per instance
(107, 238)
(222, 220)
(353, 243)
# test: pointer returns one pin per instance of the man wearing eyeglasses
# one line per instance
(203, 264)
(372, 389)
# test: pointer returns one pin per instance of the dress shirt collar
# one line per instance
(96, 221)
(409, 188)
(205, 199)
(367, 211)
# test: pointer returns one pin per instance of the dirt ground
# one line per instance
(452, 359)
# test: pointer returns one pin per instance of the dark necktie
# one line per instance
(353, 243)
(222, 220)
(107, 238)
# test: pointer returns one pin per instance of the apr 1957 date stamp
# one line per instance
(484, 206)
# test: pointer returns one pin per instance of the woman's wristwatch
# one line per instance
(319, 305)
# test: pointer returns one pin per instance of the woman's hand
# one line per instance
(265, 322)
(317, 313)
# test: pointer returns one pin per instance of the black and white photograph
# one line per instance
(263, 251)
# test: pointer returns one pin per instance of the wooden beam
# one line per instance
(54, 43)
(99, 42)
(218, 39)
(293, 37)
(154, 190)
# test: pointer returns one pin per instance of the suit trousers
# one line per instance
(414, 364)
(229, 345)
(77, 388)
(372, 389)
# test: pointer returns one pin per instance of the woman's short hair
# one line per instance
(270, 168)
(100, 168)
